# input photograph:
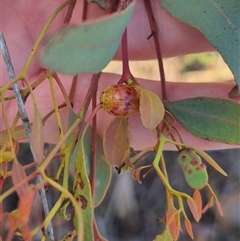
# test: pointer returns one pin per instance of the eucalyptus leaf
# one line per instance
(218, 20)
(103, 169)
(115, 141)
(151, 107)
(85, 48)
(165, 236)
(82, 192)
(104, 4)
(211, 119)
(194, 170)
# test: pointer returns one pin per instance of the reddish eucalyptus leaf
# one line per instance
(19, 217)
(151, 108)
(37, 136)
(172, 222)
(194, 209)
(18, 175)
(188, 226)
(25, 204)
(198, 199)
(219, 208)
(115, 141)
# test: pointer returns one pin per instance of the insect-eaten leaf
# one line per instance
(151, 107)
(219, 22)
(194, 170)
(211, 119)
(82, 192)
(115, 141)
(87, 48)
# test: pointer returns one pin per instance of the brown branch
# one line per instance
(154, 33)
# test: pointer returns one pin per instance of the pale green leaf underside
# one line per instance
(87, 48)
(208, 118)
(218, 20)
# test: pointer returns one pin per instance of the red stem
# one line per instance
(84, 11)
(69, 13)
(126, 73)
(154, 33)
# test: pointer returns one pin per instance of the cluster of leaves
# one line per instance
(79, 46)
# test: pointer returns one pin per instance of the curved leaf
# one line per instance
(218, 20)
(85, 48)
(208, 118)
(103, 170)
(115, 141)
(194, 170)
(151, 107)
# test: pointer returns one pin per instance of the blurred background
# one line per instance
(136, 212)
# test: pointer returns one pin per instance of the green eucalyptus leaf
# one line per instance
(165, 236)
(194, 170)
(151, 107)
(115, 141)
(85, 48)
(211, 119)
(103, 170)
(218, 20)
(104, 4)
(82, 191)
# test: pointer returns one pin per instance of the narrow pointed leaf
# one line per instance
(218, 20)
(18, 175)
(198, 200)
(208, 118)
(188, 226)
(37, 141)
(151, 108)
(219, 208)
(172, 222)
(82, 192)
(85, 48)
(209, 159)
(115, 141)
(103, 170)
(194, 209)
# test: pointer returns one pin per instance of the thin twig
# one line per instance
(25, 120)
(126, 72)
(69, 13)
(154, 33)
(94, 148)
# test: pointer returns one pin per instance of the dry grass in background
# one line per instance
(204, 67)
